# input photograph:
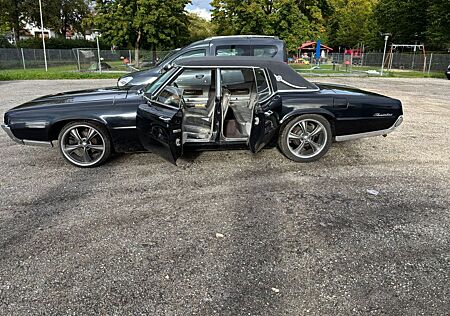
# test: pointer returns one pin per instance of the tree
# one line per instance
(142, 22)
(292, 20)
(352, 22)
(59, 15)
(199, 28)
(403, 18)
(438, 31)
(11, 14)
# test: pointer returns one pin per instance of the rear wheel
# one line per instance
(306, 138)
(85, 144)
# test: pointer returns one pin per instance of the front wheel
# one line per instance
(306, 138)
(84, 144)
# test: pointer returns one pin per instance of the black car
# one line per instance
(448, 72)
(205, 104)
(235, 45)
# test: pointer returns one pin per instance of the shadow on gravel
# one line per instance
(253, 266)
(31, 218)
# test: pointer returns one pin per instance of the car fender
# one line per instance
(328, 114)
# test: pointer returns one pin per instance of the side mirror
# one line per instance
(167, 67)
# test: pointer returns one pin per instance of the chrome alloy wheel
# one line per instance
(307, 138)
(83, 145)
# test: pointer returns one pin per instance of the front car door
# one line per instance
(159, 121)
(264, 122)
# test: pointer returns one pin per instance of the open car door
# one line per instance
(264, 124)
(159, 129)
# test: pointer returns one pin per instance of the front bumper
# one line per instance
(383, 132)
(8, 131)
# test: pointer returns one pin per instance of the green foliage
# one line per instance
(59, 15)
(352, 23)
(292, 20)
(438, 31)
(146, 23)
(199, 28)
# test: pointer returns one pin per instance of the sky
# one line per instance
(201, 7)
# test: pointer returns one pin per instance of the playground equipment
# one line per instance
(395, 48)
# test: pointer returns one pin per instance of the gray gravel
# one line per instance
(138, 235)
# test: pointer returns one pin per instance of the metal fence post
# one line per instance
(78, 60)
(23, 59)
(129, 54)
(429, 66)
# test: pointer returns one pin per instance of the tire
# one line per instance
(306, 146)
(85, 144)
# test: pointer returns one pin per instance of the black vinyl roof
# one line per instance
(286, 77)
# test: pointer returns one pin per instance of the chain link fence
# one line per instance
(396, 61)
(79, 59)
(87, 59)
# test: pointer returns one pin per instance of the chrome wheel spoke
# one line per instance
(91, 133)
(74, 132)
(304, 126)
(71, 148)
(299, 148)
(294, 136)
(316, 131)
(314, 146)
(96, 147)
(86, 156)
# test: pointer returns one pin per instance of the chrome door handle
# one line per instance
(165, 119)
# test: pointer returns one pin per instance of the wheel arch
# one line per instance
(57, 126)
(326, 114)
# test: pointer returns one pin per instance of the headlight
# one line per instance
(124, 81)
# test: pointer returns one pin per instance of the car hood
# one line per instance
(143, 77)
(77, 97)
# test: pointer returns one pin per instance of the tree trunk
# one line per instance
(136, 49)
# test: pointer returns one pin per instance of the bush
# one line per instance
(61, 43)
(4, 42)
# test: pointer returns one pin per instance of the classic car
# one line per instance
(205, 104)
(234, 45)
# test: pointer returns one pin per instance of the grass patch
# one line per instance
(53, 74)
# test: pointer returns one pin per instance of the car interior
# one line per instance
(197, 89)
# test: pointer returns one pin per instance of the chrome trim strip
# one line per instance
(125, 127)
(300, 90)
(397, 123)
(8, 131)
(37, 143)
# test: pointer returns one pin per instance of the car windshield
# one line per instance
(170, 54)
(152, 87)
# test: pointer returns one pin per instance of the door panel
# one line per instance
(264, 124)
(159, 130)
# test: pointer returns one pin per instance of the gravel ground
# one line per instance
(139, 235)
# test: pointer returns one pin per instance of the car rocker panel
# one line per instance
(205, 104)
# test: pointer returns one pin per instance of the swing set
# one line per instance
(396, 48)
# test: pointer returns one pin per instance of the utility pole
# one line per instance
(386, 37)
(42, 34)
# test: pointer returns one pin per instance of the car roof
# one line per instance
(287, 78)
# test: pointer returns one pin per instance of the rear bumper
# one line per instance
(8, 131)
(383, 132)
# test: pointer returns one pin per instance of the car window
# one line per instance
(192, 86)
(233, 50)
(265, 50)
(192, 53)
(152, 87)
(262, 85)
